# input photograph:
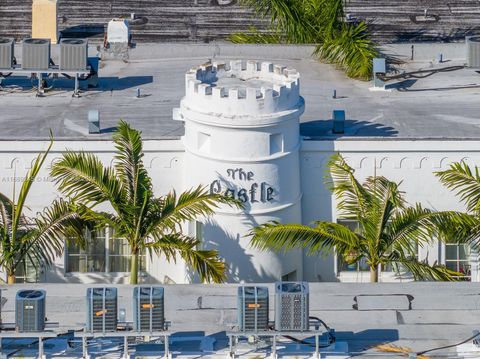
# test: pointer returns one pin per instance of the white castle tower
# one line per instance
(242, 139)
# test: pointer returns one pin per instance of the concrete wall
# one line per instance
(369, 313)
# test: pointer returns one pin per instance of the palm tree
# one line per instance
(465, 182)
(389, 231)
(319, 22)
(146, 222)
(39, 239)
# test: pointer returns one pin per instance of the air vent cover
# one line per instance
(102, 309)
(30, 310)
(35, 54)
(291, 306)
(252, 308)
(73, 54)
(148, 309)
(473, 51)
(6, 53)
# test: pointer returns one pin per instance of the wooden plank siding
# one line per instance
(391, 21)
(168, 20)
(208, 20)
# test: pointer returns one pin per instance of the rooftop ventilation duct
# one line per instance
(473, 51)
(35, 54)
(291, 306)
(6, 53)
(252, 308)
(30, 310)
(338, 121)
(73, 54)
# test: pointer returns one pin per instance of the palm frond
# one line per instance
(352, 197)
(351, 49)
(189, 205)
(206, 263)
(55, 223)
(322, 238)
(253, 36)
(25, 189)
(129, 164)
(84, 178)
(465, 182)
(423, 271)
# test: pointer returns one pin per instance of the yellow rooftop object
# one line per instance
(44, 20)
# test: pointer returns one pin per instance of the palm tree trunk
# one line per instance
(11, 278)
(134, 269)
(374, 274)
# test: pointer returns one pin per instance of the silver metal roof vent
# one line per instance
(93, 122)
(473, 51)
(6, 53)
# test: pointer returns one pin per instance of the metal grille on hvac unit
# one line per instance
(252, 308)
(73, 54)
(148, 309)
(102, 309)
(35, 54)
(6, 53)
(291, 306)
(30, 310)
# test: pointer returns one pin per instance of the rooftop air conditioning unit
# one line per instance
(35, 54)
(6, 53)
(473, 51)
(252, 308)
(148, 309)
(73, 54)
(291, 306)
(30, 311)
(102, 310)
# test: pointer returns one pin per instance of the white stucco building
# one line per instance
(237, 127)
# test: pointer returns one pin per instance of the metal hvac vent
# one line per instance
(102, 309)
(6, 53)
(252, 308)
(35, 54)
(148, 309)
(30, 310)
(291, 306)
(473, 51)
(73, 54)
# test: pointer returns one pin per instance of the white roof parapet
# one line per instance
(242, 87)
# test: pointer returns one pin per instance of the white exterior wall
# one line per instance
(411, 162)
(163, 160)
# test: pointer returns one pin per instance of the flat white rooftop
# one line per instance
(442, 106)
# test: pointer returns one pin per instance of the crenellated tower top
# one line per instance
(242, 89)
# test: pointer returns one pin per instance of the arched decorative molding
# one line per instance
(160, 162)
(407, 162)
(53, 161)
(386, 162)
(363, 162)
(444, 162)
(174, 163)
(424, 162)
(17, 163)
